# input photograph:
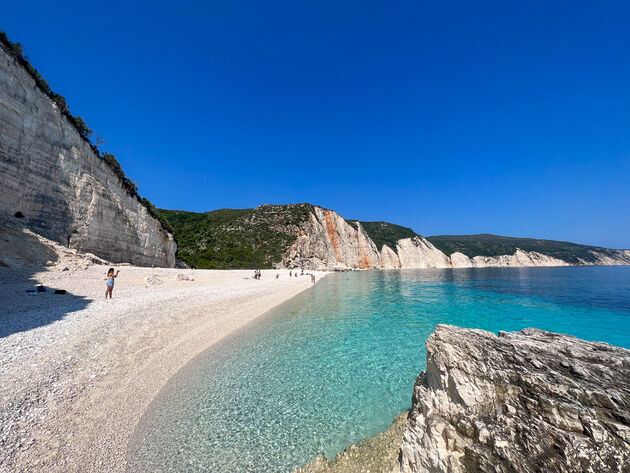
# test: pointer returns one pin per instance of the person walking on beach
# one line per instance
(110, 282)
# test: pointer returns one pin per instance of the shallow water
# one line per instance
(336, 363)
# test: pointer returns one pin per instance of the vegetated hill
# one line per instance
(385, 233)
(485, 244)
(236, 238)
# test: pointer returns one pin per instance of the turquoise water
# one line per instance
(338, 362)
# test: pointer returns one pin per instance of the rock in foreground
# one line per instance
(526, 401)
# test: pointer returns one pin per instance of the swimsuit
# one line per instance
(110, 281)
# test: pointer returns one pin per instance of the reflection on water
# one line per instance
(338, 362)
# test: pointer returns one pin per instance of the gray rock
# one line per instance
(184, 277)
(152, 280)
(528, 401)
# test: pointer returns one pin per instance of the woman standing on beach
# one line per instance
(110, 282)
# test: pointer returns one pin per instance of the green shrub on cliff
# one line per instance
(17, 51)
(81, 126)
(113, 163)
(385, 233)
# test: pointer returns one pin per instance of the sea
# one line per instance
(337, 363)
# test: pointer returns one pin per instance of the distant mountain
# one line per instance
(311, 237)
(486, 244)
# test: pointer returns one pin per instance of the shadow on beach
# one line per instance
(34, 311)
(22, 256)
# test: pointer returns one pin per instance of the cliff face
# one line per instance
(525, 402)
(65, 191)
(519, 259)
(485, 249)
(610, 257)
(326, 241)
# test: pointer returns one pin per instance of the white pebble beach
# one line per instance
(77, 371)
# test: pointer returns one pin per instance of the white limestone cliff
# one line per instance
(389, 258)
(418, 252)
(326, 241)
(611, 257)
(66, 192)
(460, 260)
(519, 259)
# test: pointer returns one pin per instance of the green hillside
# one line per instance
(485, 244)
(384, 233)
(235, 238)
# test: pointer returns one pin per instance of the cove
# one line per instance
(336, 363)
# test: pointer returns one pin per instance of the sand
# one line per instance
(77, 372)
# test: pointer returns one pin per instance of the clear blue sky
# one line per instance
(448, 117)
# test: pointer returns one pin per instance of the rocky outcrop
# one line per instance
(460, 260)
(526, 401)
(66, 192)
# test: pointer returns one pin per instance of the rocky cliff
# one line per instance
(520, 258)
(495, 250)
(311, 237)
(51, 175)
(526, 401)
(328, 241)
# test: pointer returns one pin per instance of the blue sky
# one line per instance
(448, 117)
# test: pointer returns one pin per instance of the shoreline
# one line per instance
(74, 385)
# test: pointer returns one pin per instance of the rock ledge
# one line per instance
(526, 401)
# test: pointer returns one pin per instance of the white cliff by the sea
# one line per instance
(52, 177)
(327, 241)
